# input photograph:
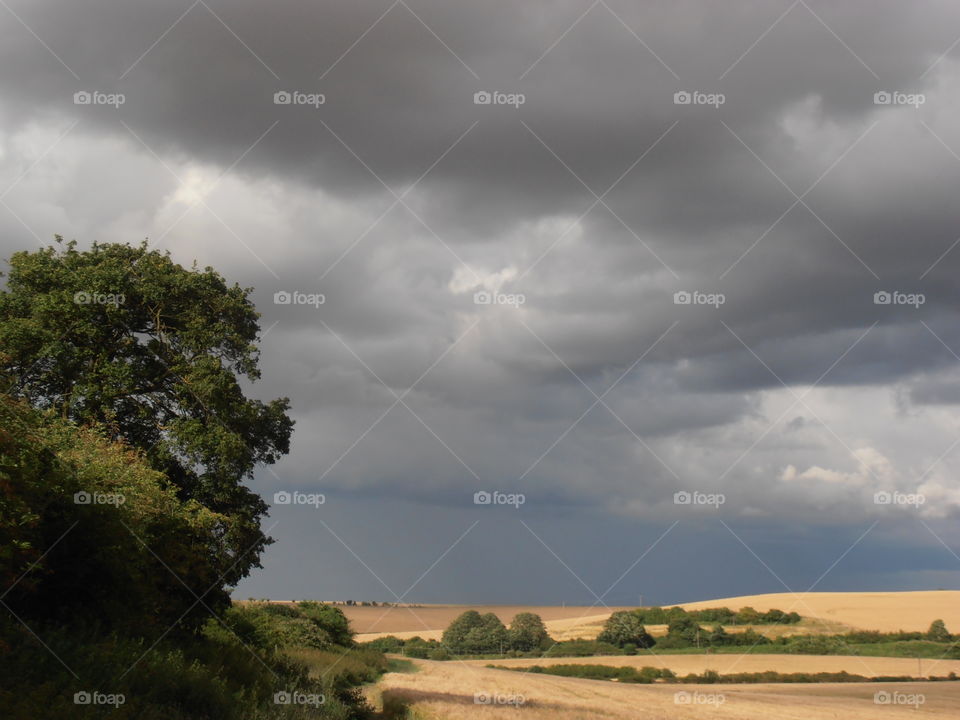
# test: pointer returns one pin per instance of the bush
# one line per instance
(582, 648)
(275, 625)
(938, 632)
(819, 645)
(185, 680)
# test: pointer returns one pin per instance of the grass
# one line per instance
(401, 665)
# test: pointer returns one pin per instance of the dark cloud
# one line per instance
(797, 200)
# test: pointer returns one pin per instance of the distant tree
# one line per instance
(938, 632)
(455, 636)
(527, 632)
(773, 616)
(719, 636)
(494, 633)
(684, 629)
(747, 616)
(473, 633)
(625, 627)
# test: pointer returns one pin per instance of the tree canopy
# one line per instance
(155, 353)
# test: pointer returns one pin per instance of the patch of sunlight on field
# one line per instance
(443, 690)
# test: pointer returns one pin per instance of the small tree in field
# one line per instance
(938, 632)
(625, 627)
(455, 636)
(527, 632)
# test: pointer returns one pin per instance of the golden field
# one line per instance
(883, 611)
(442, 690)
(823, 612)
(429, 621)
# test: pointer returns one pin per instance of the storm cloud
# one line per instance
(596, 253)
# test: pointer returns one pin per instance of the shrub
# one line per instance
(938, 632)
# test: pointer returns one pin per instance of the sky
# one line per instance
(574, 302)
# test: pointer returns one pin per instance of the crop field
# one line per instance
(825, 613)
(452, 690)
(429, 621)
(759, 662)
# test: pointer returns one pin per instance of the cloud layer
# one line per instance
(748, 295)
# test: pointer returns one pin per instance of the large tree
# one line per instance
(123, 337)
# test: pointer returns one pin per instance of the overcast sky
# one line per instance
(503, 207)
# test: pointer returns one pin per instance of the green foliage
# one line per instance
(473, 633)
(708, 677)
(582, 648)
(938, 632)
(124, 565)
(330, 618)
(124, 445)
(270, 626)
(187, 680)
(625, 627)
(123, 337)
(527, 632)
(746, 616)
(819, 645)
(625, 674)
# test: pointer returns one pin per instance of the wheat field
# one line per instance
(446, 690)
(824, 612)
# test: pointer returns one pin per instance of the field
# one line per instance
(438, 690)
(883, 611)
(429, 621)
(822, 612)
